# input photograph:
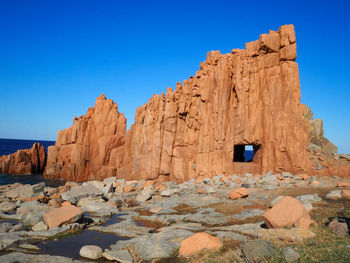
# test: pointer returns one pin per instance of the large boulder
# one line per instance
(197, 242)
(286, 213)
(63, 215)
(26, 161)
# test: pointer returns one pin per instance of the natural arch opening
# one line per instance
(245, 152)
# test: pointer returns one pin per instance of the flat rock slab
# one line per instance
(78, 192)
(127, 228)
(159, 245)
(8, 239)
(122, 255)
(249, 213)
(63, 215)
(18, 257)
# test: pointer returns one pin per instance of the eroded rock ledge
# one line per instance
(248, 97)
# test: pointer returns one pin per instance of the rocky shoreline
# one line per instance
(167, 220)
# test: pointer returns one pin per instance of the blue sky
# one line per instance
(56, 57)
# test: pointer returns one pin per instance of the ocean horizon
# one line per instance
(9, 146)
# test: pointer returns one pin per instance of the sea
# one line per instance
(8, 146)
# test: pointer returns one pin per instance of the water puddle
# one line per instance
(69, 246)
(114, 219)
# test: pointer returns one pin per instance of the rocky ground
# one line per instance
(233, 218)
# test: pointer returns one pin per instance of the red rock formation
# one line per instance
(248, 97)
(90, 149)
(24, 161)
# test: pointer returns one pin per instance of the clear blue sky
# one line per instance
(56, 57)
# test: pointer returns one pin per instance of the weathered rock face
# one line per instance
(248, 97)
(90, 149)
(24, 161)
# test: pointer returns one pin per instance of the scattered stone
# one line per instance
(339, 229)
(314, 182)
(345, 194)
(197, 242)
(155, 209)
(7, 206)
(290, 254)
(21, 192)
(127, 188)
(335, 194)
(91, 252)
(5, 227)
(145, 194)
(169, 192)
(238, 193)
(78, 192)
(343, 184)
(108, 188)
(39, 226)
(257, 250)
(63, 215)
(287, 212)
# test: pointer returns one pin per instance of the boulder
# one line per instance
(339, 229)
(197, 242)
(286, 213)
(64, 215)
(91, 252)
(238, 193)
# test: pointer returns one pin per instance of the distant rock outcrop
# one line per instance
(248, 97)
(24, 161)
(92, 148)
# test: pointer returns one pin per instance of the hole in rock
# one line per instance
(245, 152)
